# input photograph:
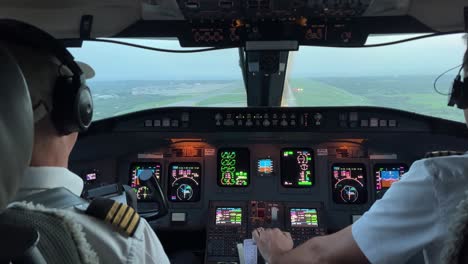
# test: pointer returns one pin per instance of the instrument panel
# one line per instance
(310, 177)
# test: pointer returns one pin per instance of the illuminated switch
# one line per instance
(266, 123)
(293, 122)
(157, 123)
(284, 123)
(239, 122)
(175, 123)
(364, 123)
(374, 122)
(148, 123)
(248, 123)
(383, 123)
(392, 123)
(178, 217)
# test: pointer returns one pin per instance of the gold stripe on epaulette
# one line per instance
(133, 224)
(124, 223)
(120, 213)
(111, 212)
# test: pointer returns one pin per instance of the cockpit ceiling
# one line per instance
(62, 18)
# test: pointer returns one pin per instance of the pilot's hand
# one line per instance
(272, 243)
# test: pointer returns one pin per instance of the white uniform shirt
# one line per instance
(415, 213)
(111, 246)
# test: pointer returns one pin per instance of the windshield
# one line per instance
(131, 79)
(398, 76)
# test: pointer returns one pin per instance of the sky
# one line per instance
(428, 56)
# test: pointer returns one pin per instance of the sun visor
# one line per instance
(62, 18)
(388, 8)
(161, 10)
(441, 15)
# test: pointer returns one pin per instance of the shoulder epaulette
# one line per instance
(443, 153)
(121, 216)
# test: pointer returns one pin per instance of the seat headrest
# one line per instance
(16, 126)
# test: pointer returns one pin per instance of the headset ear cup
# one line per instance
(84, 108)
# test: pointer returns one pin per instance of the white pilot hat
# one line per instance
(41, 71)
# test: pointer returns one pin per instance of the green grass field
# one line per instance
(408, 93)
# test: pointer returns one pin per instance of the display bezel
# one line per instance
(144, 164)
(302, 209)
(365, 181)
(387, 165)
(169, 178)
(260, 174)
(218, 163)
(282, 169)
(230, 224)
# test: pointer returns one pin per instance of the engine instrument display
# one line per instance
(90, 176)
(386, 175)
(229, 216)
(349, 183)
(234, 167)
(303, 217)
(143, 177)
(265, 167)
(297, 168)
(184, 182)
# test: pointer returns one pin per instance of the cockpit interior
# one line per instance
(227, 115)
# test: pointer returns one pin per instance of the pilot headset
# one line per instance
(72, 109)
(459, 94)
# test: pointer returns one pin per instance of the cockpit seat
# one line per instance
(456, 248)
(29, 233)
(16, 138)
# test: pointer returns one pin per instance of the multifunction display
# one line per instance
(228, 216)
(349, 183)
(297, 168)
(234, 167)
(143, 177)
(303, 217)
(184, 182)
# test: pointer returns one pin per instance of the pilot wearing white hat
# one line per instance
(123, 237)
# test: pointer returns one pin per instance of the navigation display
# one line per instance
(234, 167)
(349, 183)
(184, 182)
(229, 216)
(90, 176)
(265, 167)
(143, 177)
(297, 167)
(303, 217)
(386, 175)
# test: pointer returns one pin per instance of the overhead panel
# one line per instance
(311, 22)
